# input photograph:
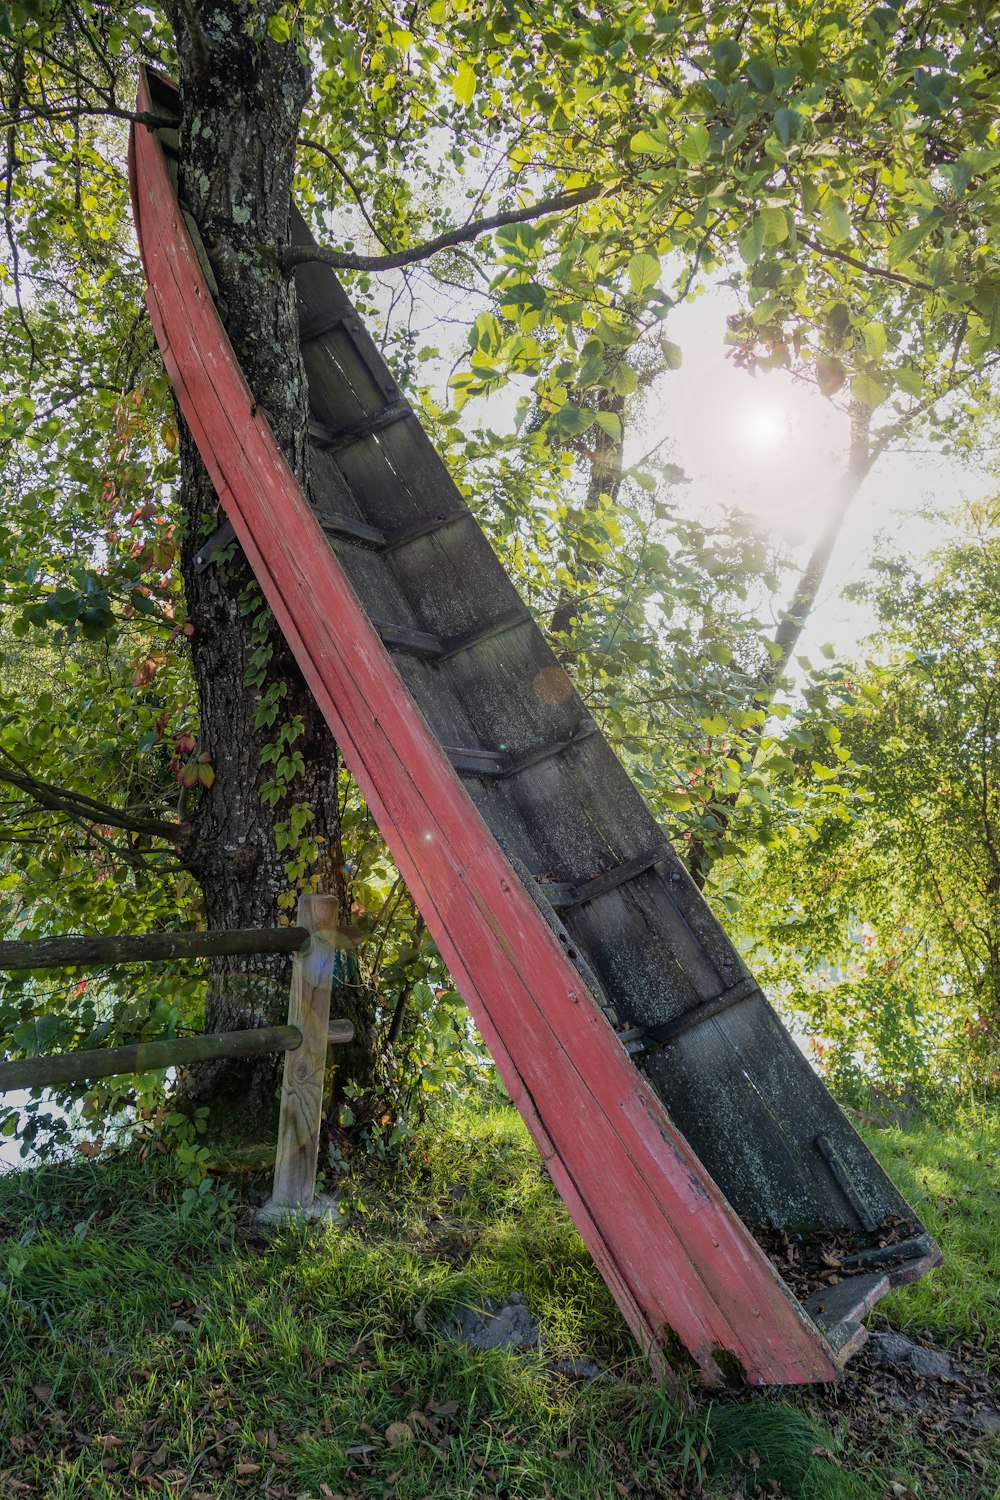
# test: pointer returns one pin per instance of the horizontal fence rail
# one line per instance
(144, 1057)
(69, 952)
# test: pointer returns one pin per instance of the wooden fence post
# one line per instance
(302, 1084)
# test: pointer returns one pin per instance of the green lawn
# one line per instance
(145, 1354)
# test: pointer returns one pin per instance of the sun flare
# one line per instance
(763, 426)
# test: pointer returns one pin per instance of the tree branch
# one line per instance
(86, 809)
(343, 260)
(25, 113)
(862, 265)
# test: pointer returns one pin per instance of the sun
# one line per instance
(763, 426)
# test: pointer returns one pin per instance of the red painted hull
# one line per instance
(670, 1248)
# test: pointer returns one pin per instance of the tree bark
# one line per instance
(241, 96)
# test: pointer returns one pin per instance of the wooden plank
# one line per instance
(454, 581)
(407, 535)
(74, 952)
(678, 1255)
(354, 530)
(404, 638)
(699, 1015)
(334, 439)
(517, 765)
(301, 1112)
(489, 630)
(145, 1057)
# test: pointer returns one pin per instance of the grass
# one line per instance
(951, 1175)
(145, 1354)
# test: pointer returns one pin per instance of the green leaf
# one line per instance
(760, 74)
(622, 380)
(875, 340)
(611, 423)
(673, 354)
(868, 390)
(694, 146)
(463, 85)
(902, 245)
(676, 801)
(727, 55)
(751, 241)
(528, 294)
(835, 221)
(789, 125)
(910, 380)
(643, 272)
(652, 143)
(830, 374)
(486, 334)
(570, 420)
(279, 29)
(775, 222)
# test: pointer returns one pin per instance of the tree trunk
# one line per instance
(860, 458)
(605, 478)
(701, 856)
(241, 95)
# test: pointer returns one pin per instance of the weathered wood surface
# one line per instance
(663, 1236)
(145, 1057)
(301, 1111)
(87, 952)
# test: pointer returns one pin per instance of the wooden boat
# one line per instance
(669, 1103)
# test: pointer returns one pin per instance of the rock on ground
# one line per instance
(507, 1325)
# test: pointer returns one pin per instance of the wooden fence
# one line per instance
(303, 1040)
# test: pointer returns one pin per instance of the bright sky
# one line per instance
(768, 444)
(773, 446)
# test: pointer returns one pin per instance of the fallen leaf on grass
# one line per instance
(398, 1432)
(245, 1471)
(444, 1408)
(110, 1443)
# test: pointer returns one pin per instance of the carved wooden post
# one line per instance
(302, 1084)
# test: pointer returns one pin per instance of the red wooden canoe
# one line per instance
(669, 1245)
